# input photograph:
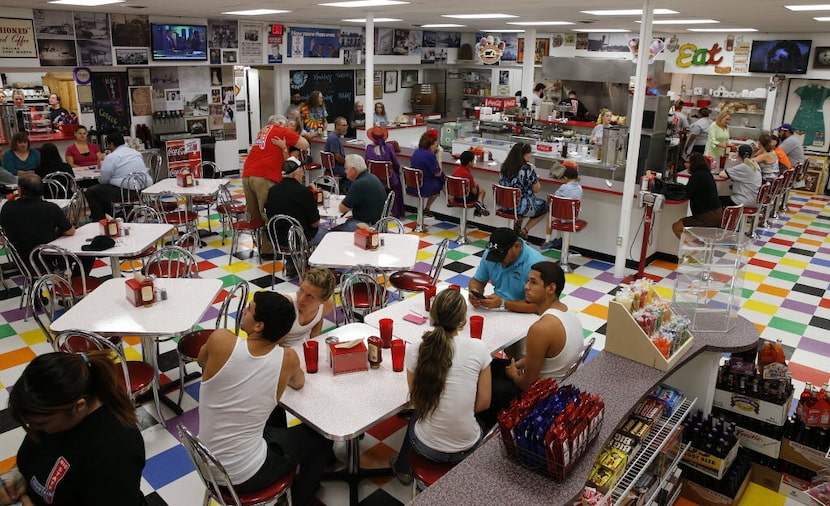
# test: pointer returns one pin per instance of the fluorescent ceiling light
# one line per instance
(626, 12)
(376, 20)
(479, 16)
(822, 18)
(501, 30)
(443, 25)
(86, 3)
(726, 30)
(255, 12)
(808, 8)
(602, 30)
(538, 23)
(683, 21)
(364, 3)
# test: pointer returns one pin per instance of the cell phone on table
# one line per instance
(477, 294)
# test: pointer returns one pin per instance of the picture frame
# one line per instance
(409, 78)
(359, 82)
(821, 57)
(390, 81)
(196, 125)
(812, 181)
(817, 162)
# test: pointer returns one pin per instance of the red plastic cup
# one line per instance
(398, 352)
(386, 331)
(311, 353)
(476, 326)
(429, 293)
(455, 287)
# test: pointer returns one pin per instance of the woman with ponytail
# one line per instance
(82, 443)
(449, 382)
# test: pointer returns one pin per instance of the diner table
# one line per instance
(106, 311)
(86, 173)
(343, 407)
(201, 188)
(338, 251)
(141, 237)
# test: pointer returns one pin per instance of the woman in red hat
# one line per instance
(379, 150)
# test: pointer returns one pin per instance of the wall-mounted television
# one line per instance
(780, 56)
(178, 42)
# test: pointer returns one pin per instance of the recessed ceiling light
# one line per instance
(442, 25)
(626, 12)
(683, 21)
(539, 23)
(807, 8)
(727, 30)
(364, 3)
(255, 12)
(376, 20)
(822, 18)
(86, 3)
(479, 16)
(602, 30)
(501, 30)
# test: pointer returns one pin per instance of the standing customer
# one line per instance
(703, 197)
(698, 133)
(82, 444)
(21, 159)
(746, 179)
(425, 158)
(449, 382)
(121, 161)
(678, 120)
(365, 198)
(379, 150)
(717, 141)
(56, 110)
(82, 153)
(315, 116)
(517, 172)
(334, 145)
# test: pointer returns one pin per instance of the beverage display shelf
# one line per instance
(664, 480)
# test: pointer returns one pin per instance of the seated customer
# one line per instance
(51, 163)
(242, 381)
(425, 158)
(121, 161)
(311, 303)
(334, 145)
(476, 195)
(449, 382)
(746, 180)
(703, 197)
(570, 190)
(517, 172)
(380, 150)
(365, 198)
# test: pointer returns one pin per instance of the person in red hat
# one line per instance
(379, 150)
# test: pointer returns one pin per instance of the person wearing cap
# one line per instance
(791, 144)
(425, 158)
(365, 198)
(466, 162)
(698, 133)
(292, 198)
(746, 179)
(357, 119)
(334, 145)
(380, 150)
(262, 169)
(717, 141)
(506, 264)
(703, 197)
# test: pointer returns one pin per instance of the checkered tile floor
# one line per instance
(784, 294)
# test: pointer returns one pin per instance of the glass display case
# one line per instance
(711, 265)
(36, 119)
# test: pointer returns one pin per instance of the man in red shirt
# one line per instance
(263, 169)
(476, 194)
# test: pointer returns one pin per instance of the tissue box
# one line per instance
(345, 360)
(139, 293)
(366, 239)
(110, 228)
(184, 179)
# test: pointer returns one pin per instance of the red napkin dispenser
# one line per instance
(352, 359)
(184, 179)
(318, 195)
(140, 293)
(110, 228)
(366, 239)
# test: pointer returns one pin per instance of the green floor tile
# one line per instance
(456, 255)
(6, 331)
(819, 224)
(552, 253)
(481, 243)
(788, 326)
(786, 276)
(793, 233)
(745, 293)
(772, 251)
(230, 280)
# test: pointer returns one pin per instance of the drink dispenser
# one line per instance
(614, 146)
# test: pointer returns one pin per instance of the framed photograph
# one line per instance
(409, 78)
(817, 162)
(196, 125)
(138, 77)
(359, 81)
(229, 56)
(22, 44)
(378, 92)
(132, 56)
(821, 58)
(812, 181)
(377, 78)
(390, 81)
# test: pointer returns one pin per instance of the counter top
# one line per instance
(37, 138)
(620, 382)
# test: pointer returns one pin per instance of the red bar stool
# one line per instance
(506, 200)
(413, 179)
(731, 219)
(564, 216)
(784, 195)
(425, 471)
(775, 193)
(458, 189)
(383, 171)
(752, 213)
(305, 155)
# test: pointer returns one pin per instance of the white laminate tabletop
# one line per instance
(142, 236)
(337, 251)
(501, 328)
(205, 187)
(333, 208)
(344, 406)
(84, 173)
(107, 311)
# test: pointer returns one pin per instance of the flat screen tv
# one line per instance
(179, 42)
(780, 56)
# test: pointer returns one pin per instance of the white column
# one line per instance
(527, 65)
(369, 91)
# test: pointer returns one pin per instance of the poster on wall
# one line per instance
(141, 100)
(250, 47)
(130, 30)
(55, 38)
(274, 45)
(183, 153)
(132, 56)
(110, 95)
(806, 110)
(223, 33)
(92, 35)
(19, 39)
(314, 42)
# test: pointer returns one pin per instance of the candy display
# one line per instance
(667, 331)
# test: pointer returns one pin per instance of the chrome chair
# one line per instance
(75, 209)
(25, 270)
(51, 258)
(174, 210)
(362, 293)
(206, 201)
(328, 183)
(387, 204)
(67, 182)
(506, 201)
(775, 192)
(732, 219)
(382, 225)
(383, 171)
(171, 262)
(51, 296)
(308, 165)
(458, 189)
(413, 179)
(563, 214)
(752, 214)
(583, 355)
(289, 241)
(154, 164)
(143, 214)
(131, 195)
(238, 222)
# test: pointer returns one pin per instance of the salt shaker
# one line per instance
(164, 294)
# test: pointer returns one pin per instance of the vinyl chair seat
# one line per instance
(427, 471)
(410, 281)
(568, 226)
(142, 376)
(191, 343)
(265, 495)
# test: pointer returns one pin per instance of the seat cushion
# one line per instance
(181, 218)
(410, 281)
(141, 376)
(427, 471)
(191, 343)
(506, 213)
(264, 495)
(567, 226)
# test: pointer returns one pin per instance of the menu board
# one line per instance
(337, 87)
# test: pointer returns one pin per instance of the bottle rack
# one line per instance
(651, 446)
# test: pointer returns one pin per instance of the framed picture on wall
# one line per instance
(359, 82)
(409, 78)
(805, 100)
(812, 181)
(817, 162)
(390, 81)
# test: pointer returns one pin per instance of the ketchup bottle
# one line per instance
(375, 357)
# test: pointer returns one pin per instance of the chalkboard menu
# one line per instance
(337, 87)
(112, 102)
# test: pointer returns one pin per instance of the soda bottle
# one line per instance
(767, 354)
(779, 352)
(805, 401)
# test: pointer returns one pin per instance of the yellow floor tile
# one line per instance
(760, 307)
(576, 279)
(33, 337)
(798, 264)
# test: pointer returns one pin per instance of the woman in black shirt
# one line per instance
(703, 197)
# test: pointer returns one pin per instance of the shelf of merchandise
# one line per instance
(651, 447)
(667, 476)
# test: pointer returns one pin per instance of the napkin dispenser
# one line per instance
(110, 227)
(352, 359)
(140, 292)
(366, 239)
(184, 179)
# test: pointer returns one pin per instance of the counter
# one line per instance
(488, 476)
(41, 138)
